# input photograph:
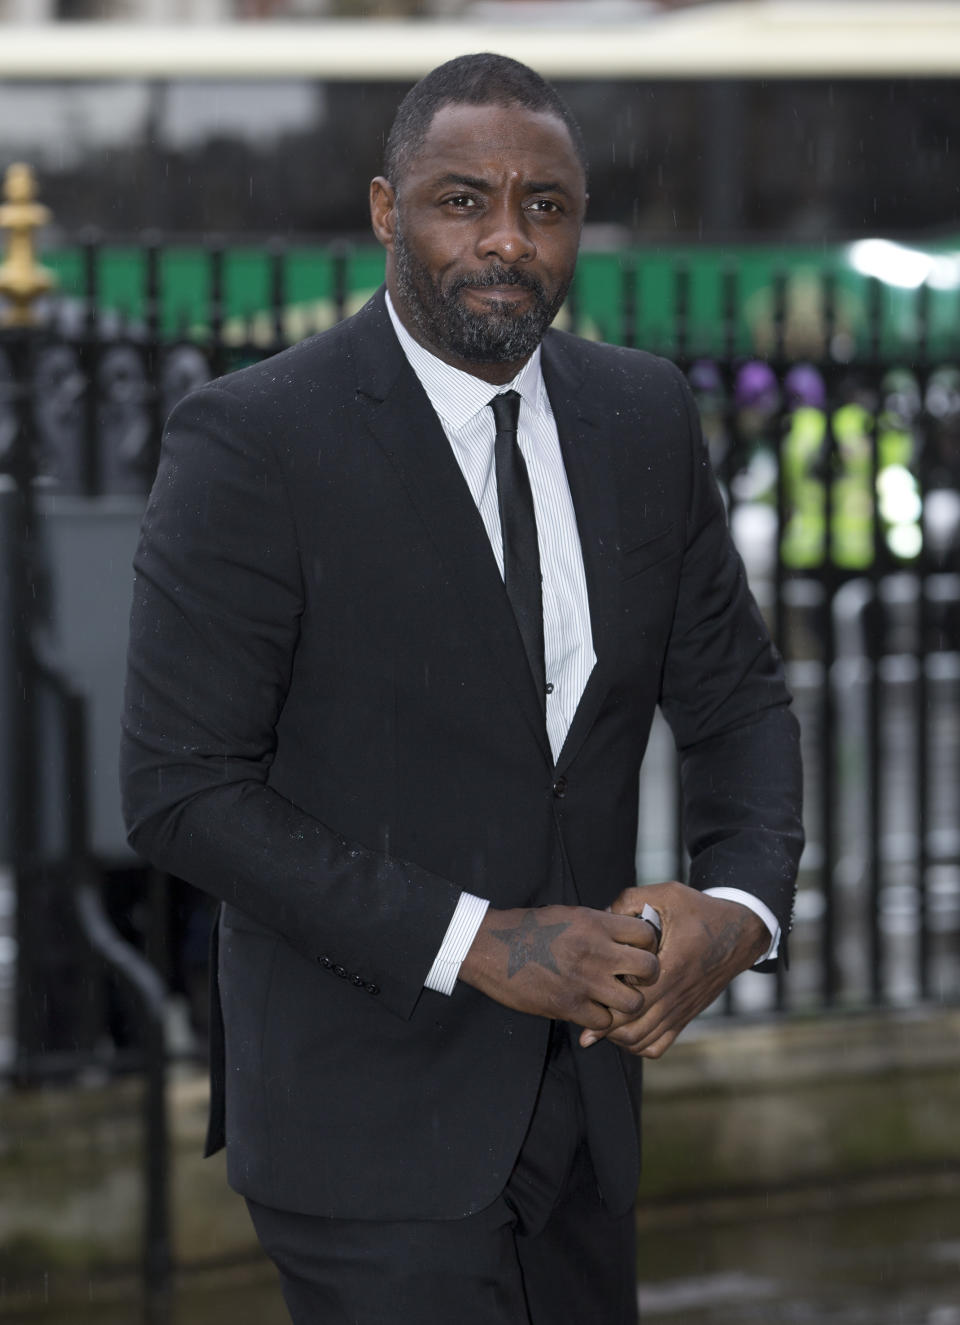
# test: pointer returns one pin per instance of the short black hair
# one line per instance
(484, 79)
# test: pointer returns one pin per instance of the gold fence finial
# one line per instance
(22, 278)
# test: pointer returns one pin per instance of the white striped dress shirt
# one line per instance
(462, 402)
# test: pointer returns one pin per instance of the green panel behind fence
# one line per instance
(686, 299)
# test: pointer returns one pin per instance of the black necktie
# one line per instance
(518, 525)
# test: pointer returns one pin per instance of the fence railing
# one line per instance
(842, 474)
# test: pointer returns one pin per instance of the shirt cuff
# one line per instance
(759, 909)
(462, 930)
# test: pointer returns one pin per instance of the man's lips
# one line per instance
(509, 294)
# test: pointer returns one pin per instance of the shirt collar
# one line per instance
(456, 395)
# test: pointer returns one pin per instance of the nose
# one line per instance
(507, 236)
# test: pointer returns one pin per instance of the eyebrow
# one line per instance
(484, 185)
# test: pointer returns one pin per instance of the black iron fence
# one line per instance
(842, 474)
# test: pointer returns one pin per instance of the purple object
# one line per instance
(704, 377)
(756, 386)
(804, 385)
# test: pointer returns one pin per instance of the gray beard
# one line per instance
(499, 336)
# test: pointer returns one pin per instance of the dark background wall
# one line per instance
(716, 160)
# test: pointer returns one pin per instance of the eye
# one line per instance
(461, 202)
(546, 206)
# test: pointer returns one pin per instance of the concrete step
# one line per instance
(733, 1113)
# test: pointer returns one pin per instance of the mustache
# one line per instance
(497, 276)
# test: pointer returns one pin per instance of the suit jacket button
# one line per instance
(560, 787)
(357, 980)
(373, 989)
(325, 961)
(341, 971)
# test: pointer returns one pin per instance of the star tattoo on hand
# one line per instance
(529, 942)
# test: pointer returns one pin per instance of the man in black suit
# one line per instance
(407, 596)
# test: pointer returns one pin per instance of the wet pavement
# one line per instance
(883, 1259)
(884, 1255)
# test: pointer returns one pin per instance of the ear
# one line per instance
(383, 210)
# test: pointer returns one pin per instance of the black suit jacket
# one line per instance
(330, 725)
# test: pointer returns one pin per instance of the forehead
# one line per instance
(488, 141)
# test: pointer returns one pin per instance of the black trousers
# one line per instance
(545, 1253)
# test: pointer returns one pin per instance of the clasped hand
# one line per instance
(706, 941)
(571, 963)
(600, 970)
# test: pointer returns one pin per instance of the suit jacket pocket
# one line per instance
(649, 552)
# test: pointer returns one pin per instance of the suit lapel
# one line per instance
(593, 489)
(407, 429)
